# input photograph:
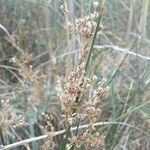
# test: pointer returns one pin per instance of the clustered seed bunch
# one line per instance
(73, 93)
(49, 142)
(90, 138)
(75, 86)
(34, 77)
(48, 121)
(84, 26)
(92, 108)
(25, 69)
(76, 105)
(48, 129)
(8, 118)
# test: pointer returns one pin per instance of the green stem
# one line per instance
(65, 139)
(95, 34)
(64, 142)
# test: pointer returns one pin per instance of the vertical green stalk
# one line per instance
(144, 18)
(91, 49)
(64, 142)
(65, 139)
(95, 33)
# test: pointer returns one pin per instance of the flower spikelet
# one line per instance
(8, 117)
(75, 85)
(84, 26)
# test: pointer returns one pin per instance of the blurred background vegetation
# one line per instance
(38, 27)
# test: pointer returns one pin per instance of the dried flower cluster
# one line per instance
(47, 118)
(75, 105)
(49, 130)
(8, 118)
(90, 138)
(92, 108)
(49, 142)
(75, 86)
(35, 78)
(63, 8)
(84, 26)
(25, 69)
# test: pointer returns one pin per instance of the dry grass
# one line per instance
(74, 75)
